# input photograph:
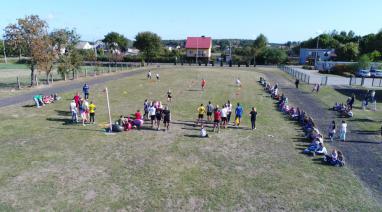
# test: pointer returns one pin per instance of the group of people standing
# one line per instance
(155, 111)
(221, 116)
(80, 106)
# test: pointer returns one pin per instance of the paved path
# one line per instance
(66, 87)
(362, 154)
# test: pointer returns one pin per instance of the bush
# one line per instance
(308, 67)
(344, 70)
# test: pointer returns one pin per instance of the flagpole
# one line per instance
(108, 108)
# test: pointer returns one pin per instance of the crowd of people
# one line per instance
(80, 107)
(311, 131)
(220, 117)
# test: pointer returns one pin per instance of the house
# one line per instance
(199, 47)
(132, 51)
(84, 45)
(313, 54)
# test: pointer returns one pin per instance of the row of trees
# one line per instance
(29, 36)
(348, 46)
(260, 52)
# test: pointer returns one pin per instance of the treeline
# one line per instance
(347, 45)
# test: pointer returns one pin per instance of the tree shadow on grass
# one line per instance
(366, 132)
(80, 128)
(64, 121)
(362, 142)
(63, 112)
(363, 120)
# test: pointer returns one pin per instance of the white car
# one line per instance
(363, 73)
(375, 73)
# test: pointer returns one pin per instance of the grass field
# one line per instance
(48, 163)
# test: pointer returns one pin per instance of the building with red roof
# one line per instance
(199, 47)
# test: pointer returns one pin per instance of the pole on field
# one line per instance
(5, 55)
(108, 108)
(18, 83)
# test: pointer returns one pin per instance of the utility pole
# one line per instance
(197, 49)
(315, 59)
(5, 55)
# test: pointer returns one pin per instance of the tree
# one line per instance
(375, 56)
(27, 32)
(115, 41)
(44, 55)
(71, 59)
(148, 43)
(271, 56)
(260, 42)
(364, 62)
(348, 52)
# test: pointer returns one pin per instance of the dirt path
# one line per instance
(362, 154)
(65, 88)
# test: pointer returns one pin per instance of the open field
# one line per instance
(48, 163)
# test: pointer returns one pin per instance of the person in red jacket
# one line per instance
(217, 119)
(138, 115)
(203, 83)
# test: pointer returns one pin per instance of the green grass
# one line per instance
(12, 66)
(46, 164)
(364, 120)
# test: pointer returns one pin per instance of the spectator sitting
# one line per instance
(335, 159)
(313, 147)
(321, 149)
(203, 132)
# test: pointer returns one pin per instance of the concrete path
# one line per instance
(362, 154)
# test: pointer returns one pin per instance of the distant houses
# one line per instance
(84, 45)
(199, 47)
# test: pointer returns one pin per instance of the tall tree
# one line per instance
(115, 41)
(148, 43)
(27, 32)
(348, 52)
(260, 42)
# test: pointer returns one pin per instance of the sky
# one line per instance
(279, 20)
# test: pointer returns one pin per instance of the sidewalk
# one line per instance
(362, 154)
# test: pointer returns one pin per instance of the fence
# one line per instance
(331, 80)
(22, 78)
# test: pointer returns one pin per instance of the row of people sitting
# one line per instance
(344, 110)
(316, 147)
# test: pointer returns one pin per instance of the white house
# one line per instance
(84, 45)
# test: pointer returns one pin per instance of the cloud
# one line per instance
(50, 17)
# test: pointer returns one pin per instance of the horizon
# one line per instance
(173, 21)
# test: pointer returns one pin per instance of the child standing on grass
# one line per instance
(92, 108)
(343, 130)
(201, 111)
(332, 130)
(166, 118)
(203, 83)
(217, 119)
(238, 114)
(253, 115)
(73, 111)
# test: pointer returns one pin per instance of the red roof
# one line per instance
(198, 43)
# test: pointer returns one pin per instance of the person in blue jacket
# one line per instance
(238, 114)
(85, 90)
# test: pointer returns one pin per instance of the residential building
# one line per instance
(199, 47)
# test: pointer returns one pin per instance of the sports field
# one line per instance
(48, 163)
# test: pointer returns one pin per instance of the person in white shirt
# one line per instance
(152, 116)
(224, 112)
(149, 75)
(238, 82)
(343, 130)
(229, 106)
(73, 111)
(157, 75)
(203, 132)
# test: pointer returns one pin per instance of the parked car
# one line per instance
(363, 73)
(376, 73)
